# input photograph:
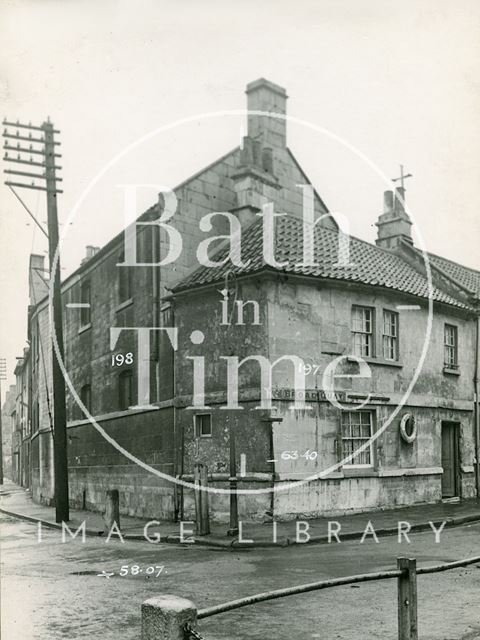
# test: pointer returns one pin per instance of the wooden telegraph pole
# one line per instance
(48, 183)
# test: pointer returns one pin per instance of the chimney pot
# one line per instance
(387, 201)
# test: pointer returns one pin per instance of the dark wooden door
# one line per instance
(449, 460)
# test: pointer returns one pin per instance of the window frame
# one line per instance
(126, 374)
(370, 333)
(87, 387)
(452, 348)
(395, 338)
(196, 426)
(353, 464)
(124, 278)
(85, 312)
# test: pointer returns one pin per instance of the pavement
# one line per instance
(17, 502)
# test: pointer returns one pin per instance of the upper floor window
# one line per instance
(390, 335)
(86, 397)
(85, 299)
(125, 388)
(451, 346)
(203, 425)
(362, 331)
(357, 430)
(124, 280)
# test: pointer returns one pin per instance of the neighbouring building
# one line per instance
(351, 300)
(8, 426)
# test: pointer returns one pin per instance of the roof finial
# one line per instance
(402, 177)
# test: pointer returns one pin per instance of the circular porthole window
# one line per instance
(408, 428)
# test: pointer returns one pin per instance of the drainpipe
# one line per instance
(156, 287)
(476, 407)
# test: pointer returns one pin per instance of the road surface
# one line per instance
(51, 590)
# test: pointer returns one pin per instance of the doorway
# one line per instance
(450, 480)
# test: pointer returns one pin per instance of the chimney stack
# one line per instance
(263, 95)
(90, 251)
(394, 225)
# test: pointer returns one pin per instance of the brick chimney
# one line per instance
(263, 95)
(393, 225)
(37, 279)
(90, 251)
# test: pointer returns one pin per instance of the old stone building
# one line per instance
(8, 428)
(345, 306)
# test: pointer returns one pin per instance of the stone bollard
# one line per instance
(164, 617)
(112, 511)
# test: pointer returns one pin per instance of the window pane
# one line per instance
(356, 432)
(362, 330)
(390, 335)
(451, 345)
(203, 425)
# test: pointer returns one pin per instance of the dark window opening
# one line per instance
(86, 397)
(203, 425)
(85, 299)
(124, 280)
(125, 380)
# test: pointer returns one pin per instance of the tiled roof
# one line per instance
(369, 264)
(463, 275)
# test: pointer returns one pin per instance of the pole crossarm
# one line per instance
(32, 186)
(25, 138)
(29, 162)
(29, 175)
(18, 149)
(19, 125)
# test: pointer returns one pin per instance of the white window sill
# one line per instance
(451, 372)
(381, 362)
(85, 327)
(124, 305)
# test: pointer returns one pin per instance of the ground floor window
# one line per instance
(357, 430)
(203, 425)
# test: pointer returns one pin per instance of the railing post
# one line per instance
(112, 510)
(407, 599)
(202, 523)
(164, 617)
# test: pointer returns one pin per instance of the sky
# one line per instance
(388, 82)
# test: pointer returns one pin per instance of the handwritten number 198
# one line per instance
(118, 359)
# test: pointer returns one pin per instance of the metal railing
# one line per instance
(177, 617)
